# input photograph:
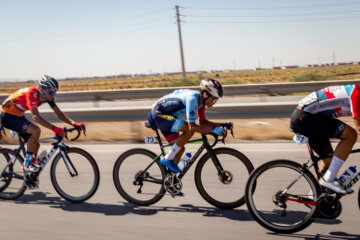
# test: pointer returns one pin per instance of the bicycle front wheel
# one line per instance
(138, 177)
(284, 200)
(223, 189)
(77, 178)
(12, 183)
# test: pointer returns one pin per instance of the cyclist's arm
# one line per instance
(37, 118)
(205, 122)
(200, 129)
(357, 124)
(62, 116)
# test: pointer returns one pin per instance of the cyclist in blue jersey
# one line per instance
(178, 112)
(316, 118)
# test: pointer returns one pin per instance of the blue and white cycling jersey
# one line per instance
(182, 103)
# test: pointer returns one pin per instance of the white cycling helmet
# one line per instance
(212, 86)
(49, 82)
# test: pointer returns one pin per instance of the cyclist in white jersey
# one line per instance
(316, 118)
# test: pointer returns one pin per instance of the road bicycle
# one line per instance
(288, 197)
(76, 180)
(220, 174)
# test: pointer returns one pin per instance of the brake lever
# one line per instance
(232, 132)
(223, 138)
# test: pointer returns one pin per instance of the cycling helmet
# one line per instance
(212, 86)
(49, 82)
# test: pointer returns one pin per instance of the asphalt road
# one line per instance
(42, 214)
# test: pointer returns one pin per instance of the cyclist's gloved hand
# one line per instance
(80, 126)
(228, 125)
(218, 130)
(58, 131)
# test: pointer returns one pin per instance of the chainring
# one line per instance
(172, 184)
(329, 209)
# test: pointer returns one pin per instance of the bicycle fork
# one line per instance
(68, 162)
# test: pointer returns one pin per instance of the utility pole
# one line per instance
(180, 40)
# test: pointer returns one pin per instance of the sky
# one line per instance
(86, 38)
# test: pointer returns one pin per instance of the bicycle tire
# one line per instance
(9, 188)
(59, 173)
(260, 216)
(130, 176)
(204, 191)
(359, 198)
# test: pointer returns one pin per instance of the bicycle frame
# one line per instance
(205, 145)
(58, 144)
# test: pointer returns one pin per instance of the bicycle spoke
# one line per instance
(141, 187)
(278, 205)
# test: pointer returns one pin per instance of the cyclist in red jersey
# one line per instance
(316, 118)
(12, 116)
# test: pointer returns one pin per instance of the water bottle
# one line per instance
(42, 155)
(347, 176)
(184, 161)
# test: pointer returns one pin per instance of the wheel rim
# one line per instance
(135, 185)
(274, 180)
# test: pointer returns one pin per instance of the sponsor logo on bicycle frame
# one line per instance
(48, 157)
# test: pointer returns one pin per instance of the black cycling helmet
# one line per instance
(212, 86)
(49, 82)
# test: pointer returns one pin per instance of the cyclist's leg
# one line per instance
(183, 139)
(319, 129)
(169, 127)
(348, 138)
(32, 143)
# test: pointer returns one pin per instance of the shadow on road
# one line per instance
(40, 198)
(331, 236)
(124, 208)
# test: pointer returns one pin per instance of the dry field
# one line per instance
(236, 77)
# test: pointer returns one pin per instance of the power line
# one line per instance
(271, 16)
(280, 7)
(280, 21)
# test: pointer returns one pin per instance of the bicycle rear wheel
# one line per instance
(84, 179)
(226, 190)
(139, 179)
(12, 183)
(282, 185)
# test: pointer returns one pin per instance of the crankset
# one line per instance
(31, 180)
(329, 208)
(172, 184)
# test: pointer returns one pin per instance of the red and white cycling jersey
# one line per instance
(335, 101)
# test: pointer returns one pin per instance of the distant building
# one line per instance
(289, 66)
(276, 67)
(258, 69)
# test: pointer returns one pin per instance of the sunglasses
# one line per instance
(51, 93)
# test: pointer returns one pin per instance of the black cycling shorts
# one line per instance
(318, 128)
(17, 124)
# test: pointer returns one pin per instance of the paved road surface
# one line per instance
(42, 214)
